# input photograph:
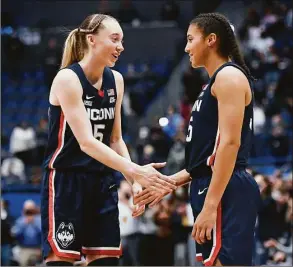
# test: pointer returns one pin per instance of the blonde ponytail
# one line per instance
(73, 50)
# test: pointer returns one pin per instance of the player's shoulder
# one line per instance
(119, 82)
(66, 81)
(66, 76)
(231, 74)
(117, 75)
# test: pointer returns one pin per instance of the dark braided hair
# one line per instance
(228, 45)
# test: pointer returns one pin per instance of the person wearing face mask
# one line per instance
(27, 232)
(128, 227)
(79, 193)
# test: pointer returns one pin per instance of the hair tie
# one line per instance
(232, 27)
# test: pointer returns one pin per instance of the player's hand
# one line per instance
(203, 226)
(148, 196)
(137, 210)
(148, 177)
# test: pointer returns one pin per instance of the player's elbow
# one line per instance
(85, 144)
(231, 142)
(115, 139)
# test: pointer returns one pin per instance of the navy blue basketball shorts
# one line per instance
(233, 234)
(79, 214)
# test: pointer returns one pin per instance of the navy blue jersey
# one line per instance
(63, 151)
(203, 132)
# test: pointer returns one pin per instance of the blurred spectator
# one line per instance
(148, 154)
(170, 11)
(6, 238)
(126, 104)
(284, 90)
(13, 170)
(272, 221)
(174, 122)
(193, 81)
(289, 18)
(165, 243)
(148, 240)
(259, 119)
(128, 227)
(176, 156)
(23, 143)
(127, 12)
(51, 64)
(42, 137)
(279, 140)
(131, 76)
(281, 250)
(27, 232)
(160, 141)
(252, 20)
(185, 109)
(181, 227)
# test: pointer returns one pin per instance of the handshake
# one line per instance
(149, 186)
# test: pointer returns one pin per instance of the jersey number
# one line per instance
(189, 135)
(97, 131)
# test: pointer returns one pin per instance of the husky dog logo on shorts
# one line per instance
(65, 234)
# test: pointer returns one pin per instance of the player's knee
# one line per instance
(109, 261)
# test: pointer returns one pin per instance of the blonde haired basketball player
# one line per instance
(79, 193)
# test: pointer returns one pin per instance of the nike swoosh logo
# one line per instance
(89, 97)
(111, 186)
(201, 192)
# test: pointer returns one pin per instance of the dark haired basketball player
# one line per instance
(224, 197)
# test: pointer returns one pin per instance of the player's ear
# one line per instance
(211, 39)
(91, 39)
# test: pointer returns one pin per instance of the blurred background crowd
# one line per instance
(160, 89)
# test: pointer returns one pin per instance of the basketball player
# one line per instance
(224, 197)
(79, 194)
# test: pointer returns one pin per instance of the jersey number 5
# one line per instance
(97, 133)
(189, 136)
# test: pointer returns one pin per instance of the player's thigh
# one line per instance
(239, 211)
(101, 232)
(61, 202)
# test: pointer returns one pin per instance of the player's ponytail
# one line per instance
(72, 51)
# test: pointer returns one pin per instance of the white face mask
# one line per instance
(276, 195)
(3, 214)
(179, 192)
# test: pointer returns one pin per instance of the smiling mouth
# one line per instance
(115, 56)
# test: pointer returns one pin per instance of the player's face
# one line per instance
(196, 46)
(108, 43)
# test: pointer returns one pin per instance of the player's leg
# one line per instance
(198, 190)
(240, 204)
(208, 252)
(60, 223)
(101, 243)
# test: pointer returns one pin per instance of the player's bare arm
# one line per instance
(116, 141)
(67, 92)
(232, 90)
